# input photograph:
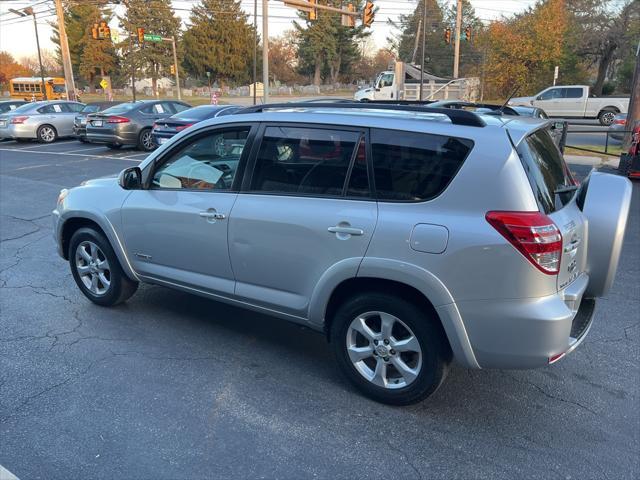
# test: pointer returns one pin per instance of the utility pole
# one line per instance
(64, 50)
(633, 116)
(265, 50)
(133, 68)
(415, 45)
(424, 41)
(255, 49)
(456, 55)
(25, 13)
(175, 64)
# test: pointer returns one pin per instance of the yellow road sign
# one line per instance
(103, 83)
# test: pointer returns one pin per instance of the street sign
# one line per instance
(148, 37)
(115, 36)
(104, 84)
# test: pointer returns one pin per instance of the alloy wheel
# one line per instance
(384, 350)
(608, 117)
(93, 268)
(47, 134)
(147, 140)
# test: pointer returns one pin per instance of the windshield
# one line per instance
(23, 108)
(546, 169)
(122, 108)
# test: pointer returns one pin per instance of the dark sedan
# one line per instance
(80, 121)
(618, 127)
(165, 129)
(130, 123)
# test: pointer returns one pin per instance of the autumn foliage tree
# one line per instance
(283, 59)
(9, 69)
(524, 51)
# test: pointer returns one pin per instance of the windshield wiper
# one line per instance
(565, 189)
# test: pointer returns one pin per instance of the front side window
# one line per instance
(306, 161)
(415, 166)
(551, 94)
(208, 162)
(386, 80)
(59, 89)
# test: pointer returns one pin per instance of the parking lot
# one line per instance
(172, 386)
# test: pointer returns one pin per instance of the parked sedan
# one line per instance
(45, 121)
(164, 130)
(80, 121)
(130, 123)
(534, 112)
(617, 128)
(10, 105)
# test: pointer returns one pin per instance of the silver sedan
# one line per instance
(45, 121)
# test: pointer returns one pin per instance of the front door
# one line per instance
(385, 88)
(550, 101)
(176, 229)
(307, 210)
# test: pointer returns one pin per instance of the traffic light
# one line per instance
(140, 34)
(173, 69)
(313, 13)
(447, 35)
(104, 32)
(367, 14)
(94, 31)
(467, 33)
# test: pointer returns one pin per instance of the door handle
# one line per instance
(346, 230)
(212, 215)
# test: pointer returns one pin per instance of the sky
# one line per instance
(18, 38)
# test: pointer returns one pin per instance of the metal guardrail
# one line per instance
(606, 142)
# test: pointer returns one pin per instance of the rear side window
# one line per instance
(573, 93)
(546, 170)
(414, 167)
(307, 161)
(90, 109)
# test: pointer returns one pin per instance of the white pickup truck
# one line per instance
(575, 101)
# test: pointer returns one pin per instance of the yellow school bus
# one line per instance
(30, 88)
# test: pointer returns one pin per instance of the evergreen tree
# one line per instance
(326, 47)
(88, 56)
(219, 40)
(157, 18)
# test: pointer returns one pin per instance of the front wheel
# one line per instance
(96, 269)
(389, 349)
(606, 117)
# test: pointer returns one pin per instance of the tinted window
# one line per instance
(119, 109)
(73, 107)
(308, 161)
(209, 162)
(197, 113)
(180, 107)
(53, 108)
(415, 166)
(546, 170)
(59, 89)
(157, 108)
(572, 93)
(90, 109)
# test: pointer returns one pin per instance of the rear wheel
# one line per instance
(606, 117)
(114, 146)
(96, 269)
(47, 134)
(145, 140)
(389, 349)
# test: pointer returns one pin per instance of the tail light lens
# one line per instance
(619, 121)
(534, 235)
(179, 128)
(117, 119)
(20, 119)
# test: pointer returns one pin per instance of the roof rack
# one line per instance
(457, 117)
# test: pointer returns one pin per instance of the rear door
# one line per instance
(305, 208)
(574, 102)
(549, 176)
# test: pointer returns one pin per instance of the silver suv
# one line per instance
(409, 235)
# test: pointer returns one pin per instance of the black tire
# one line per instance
(83, 140)
(605, 117)
(47, 134)
(436, 354)
(121, 287)
(145, 140)
(114, 146)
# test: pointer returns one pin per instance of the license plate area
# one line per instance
(97, 123)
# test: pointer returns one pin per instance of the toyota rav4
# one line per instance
(411, 236)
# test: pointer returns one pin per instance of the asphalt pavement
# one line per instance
(172, 386)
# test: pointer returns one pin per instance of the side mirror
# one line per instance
(130, 178)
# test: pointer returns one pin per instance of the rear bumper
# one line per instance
(80, 131)
(530, 332)
(19, 130)
(121, 139)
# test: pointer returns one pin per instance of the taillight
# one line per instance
(534, 235)
(182, 127)
(20, 119)
(117, 119)
(619, 121)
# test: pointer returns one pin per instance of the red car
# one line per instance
(630, 162)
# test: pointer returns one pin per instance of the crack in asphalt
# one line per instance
(405, 458)
(550, 395)
(28, 220)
